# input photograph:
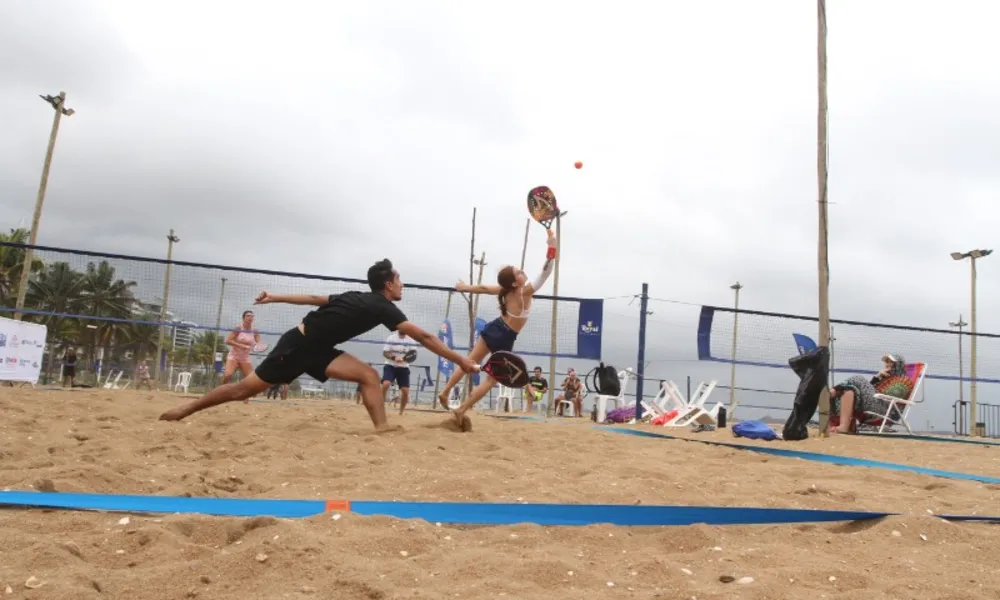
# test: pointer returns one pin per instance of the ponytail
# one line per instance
(506, 278)
(502, 299)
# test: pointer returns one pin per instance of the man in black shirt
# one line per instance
(310, 347)
(536, 389)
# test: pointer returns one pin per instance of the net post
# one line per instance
(641, 358)
(553, 345)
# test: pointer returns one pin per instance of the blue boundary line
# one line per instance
(459, 513)
(813, 456)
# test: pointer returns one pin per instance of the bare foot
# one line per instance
(463, 422)
(174, 414)
(443, 400)
(388, 429)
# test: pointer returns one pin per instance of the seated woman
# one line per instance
(857, 393)
(572, 391)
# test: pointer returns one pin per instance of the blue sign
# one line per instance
(445, 367)
(588, 332)
(804, 343)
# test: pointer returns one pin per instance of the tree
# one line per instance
(12, 264)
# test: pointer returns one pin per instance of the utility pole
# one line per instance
(171, 240)
(961, 368)
(468, 299)
(59, 105)
(479, 281)
(822, 173)
(972, 255)
(736, 287)
(218, 331)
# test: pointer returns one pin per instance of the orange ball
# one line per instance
(578, 165)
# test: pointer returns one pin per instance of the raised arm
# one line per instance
(306, 299)
(550, 261)
(461, 286)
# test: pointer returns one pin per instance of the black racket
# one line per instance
(542, 206)
(410, 356)
(507, 369)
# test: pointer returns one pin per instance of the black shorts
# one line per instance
(498, 336)
(292, 356)
(399, 375)
(69, 371)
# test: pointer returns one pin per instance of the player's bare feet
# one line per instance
(443, 400)
(388, 429)
(174, 414)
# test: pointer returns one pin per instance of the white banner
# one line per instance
(21, 348)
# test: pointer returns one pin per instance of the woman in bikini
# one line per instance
(514, 293)
(240, 340)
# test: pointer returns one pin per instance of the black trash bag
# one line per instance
(813, 369)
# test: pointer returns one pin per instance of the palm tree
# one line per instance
(12, 263)
(105, 296)
(57, 291)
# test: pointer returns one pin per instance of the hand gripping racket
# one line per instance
(542, 206)
(410, 356)
(507, 369)
(259, 347)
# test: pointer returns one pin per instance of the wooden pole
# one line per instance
(472, 321)
(59, 104)
(822, 173)
(553, 342)
(524, 247)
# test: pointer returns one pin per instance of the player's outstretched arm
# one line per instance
(307, 299)
(461, 286)
(547, 268)
(430, 341)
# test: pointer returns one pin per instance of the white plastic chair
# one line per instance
(183, 381)
(505, 398)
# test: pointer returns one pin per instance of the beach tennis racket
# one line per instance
(542, 206)
(259, 347)
(507, 369)
(410, 356)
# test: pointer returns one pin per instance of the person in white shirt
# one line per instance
(396, 369)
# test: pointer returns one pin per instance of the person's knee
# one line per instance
(369, 377)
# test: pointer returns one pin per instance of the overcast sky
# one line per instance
(318, 137)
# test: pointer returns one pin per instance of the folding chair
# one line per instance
(901, 406)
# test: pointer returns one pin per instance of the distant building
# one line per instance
(183, 333)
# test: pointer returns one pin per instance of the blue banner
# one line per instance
(804, 343)
(588, 331)
(445, 367)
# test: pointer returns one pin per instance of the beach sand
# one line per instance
(111, 442)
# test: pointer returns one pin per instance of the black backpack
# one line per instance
(605, 380)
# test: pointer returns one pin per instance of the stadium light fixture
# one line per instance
(972, 255)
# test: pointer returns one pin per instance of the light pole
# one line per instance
(59, 104)
(736, 287)
(972, 255)
(171, 240)
(961, 370)
(218, 330)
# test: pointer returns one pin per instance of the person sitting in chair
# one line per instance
(535, 390)
(573, 392)
(856, 395)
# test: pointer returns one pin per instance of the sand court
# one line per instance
(110, 442)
